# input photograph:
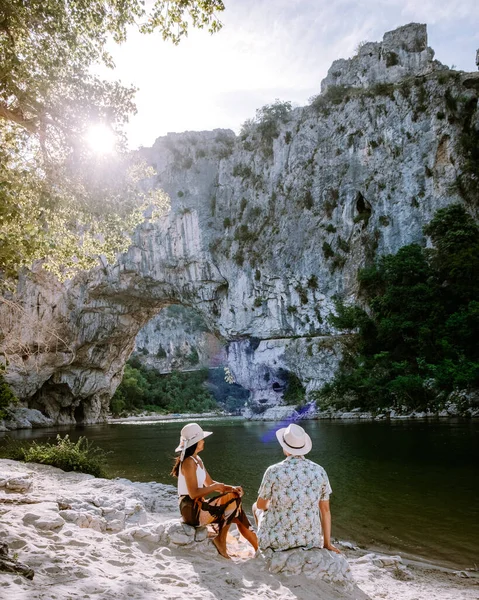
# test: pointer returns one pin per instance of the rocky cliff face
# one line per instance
(264, 230)
(178, 339)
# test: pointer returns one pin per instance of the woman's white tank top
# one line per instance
(200, 478)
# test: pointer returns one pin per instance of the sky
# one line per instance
(271, 49)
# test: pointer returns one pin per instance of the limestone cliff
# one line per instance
(264, 229)
(178, 339)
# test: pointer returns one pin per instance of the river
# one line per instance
(400, 486)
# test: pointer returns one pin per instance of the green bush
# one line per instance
(7, 397)
(193, 357)
(161, 352)
(243, 171)
(243, 234)
(338, 262)
(269, 117)
(391, 59)
(384, 220)
(267, 125)
(81, 456)
(450, 100)
(302, 293)
(343, 245)
(383, 89)
(337, 93)
(294, 393)
(308, 200)
(239, 258)
(327, 250)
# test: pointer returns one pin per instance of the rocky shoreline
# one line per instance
(27, 418)
(107, 539)
(310, 412)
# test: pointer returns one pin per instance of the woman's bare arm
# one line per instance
(188, 468)
(227, 488)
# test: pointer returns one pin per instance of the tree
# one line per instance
(57, 201)
(267, 124)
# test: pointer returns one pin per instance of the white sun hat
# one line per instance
(191, 434)
(294, 440)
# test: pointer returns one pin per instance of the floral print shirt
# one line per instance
(293, 487)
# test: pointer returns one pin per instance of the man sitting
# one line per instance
(293, 500)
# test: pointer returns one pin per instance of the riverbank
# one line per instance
(30, 418)
(290, 413)
(27, 418)
(158, 417)
(104, 539)
(312, 412)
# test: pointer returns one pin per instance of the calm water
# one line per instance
(409, 486)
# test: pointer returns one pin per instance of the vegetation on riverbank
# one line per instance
(81, 456)
(416, 339)
(143, 388)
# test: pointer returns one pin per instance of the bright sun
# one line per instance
(101, 139)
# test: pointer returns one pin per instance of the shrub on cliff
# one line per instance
(81, 456)
(267, 124)
(418, 338)
(294, 394)
(7, 397)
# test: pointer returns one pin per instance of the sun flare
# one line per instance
(101, 139)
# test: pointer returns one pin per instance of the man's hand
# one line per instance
(332, 548)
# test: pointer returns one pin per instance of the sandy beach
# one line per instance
(104, 539)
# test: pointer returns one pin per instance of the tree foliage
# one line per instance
(419, 335)
(58, 201)
(294, 394)
(267, 124)
(177, 392)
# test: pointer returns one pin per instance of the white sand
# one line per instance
(99, 539)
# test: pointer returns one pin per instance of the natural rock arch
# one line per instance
(95, 318)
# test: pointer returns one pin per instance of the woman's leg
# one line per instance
(224, 510)
(220, 541)
(247, 533)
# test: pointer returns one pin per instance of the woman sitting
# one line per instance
(194, 483)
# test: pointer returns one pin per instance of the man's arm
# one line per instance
(326, 525)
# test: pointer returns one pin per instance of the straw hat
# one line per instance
(191, 434)
(294, 440)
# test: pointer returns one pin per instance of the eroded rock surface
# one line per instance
(318, 564)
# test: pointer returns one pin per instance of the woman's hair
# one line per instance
(188, 452)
